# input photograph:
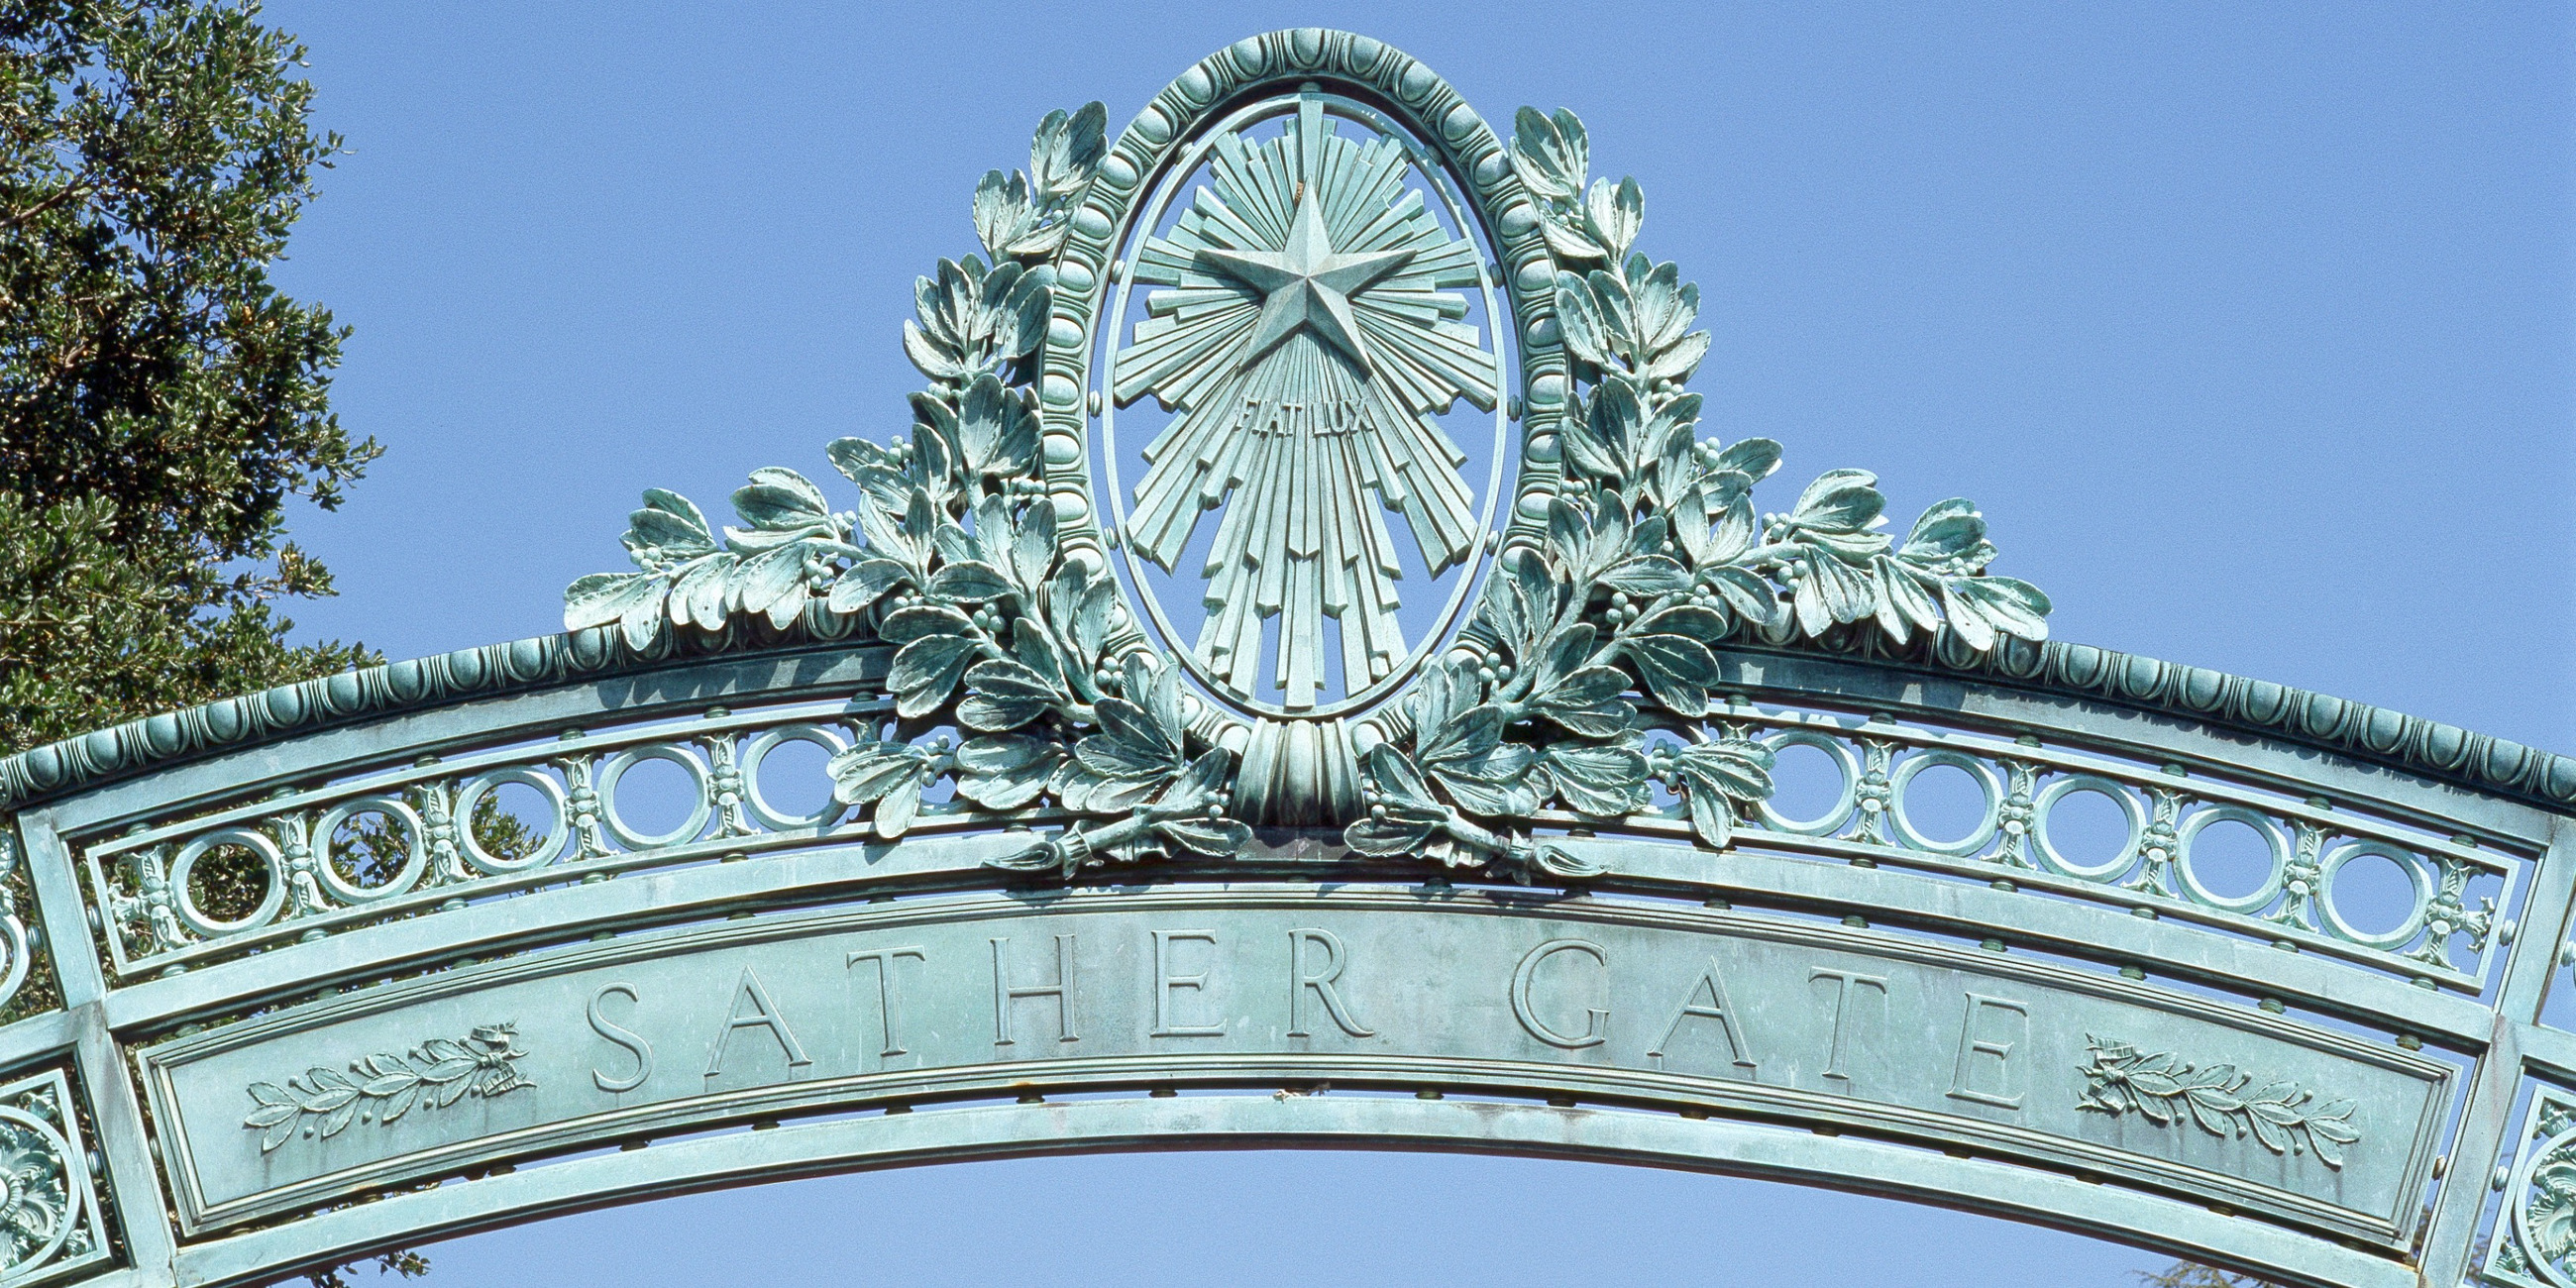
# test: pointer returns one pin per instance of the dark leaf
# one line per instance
(1604, 782)
(922, 621)
(1566, 651)
(1494, 783)
(1600, 718)
(1388, 837)
(2015, 607)
(1840, 501)
(926, 671)
(969, 581)
(1398, 780)
(1469, 734)
(1217, 838)
(1645, 576)
(872, 769)
(1612, 215)
(864, 583)
(781, 500)
(1699, 623)
(604, 597)
(1678, 670)
(1129, 724)
(1005, 771)
(669, 527)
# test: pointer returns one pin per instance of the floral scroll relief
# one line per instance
(382, 1088)
(2163, 1089)
(50, 1221)
(2535, 1237)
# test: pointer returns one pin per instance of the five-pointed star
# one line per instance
(1305, 284)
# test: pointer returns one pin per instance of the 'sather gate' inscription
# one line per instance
(974, 995)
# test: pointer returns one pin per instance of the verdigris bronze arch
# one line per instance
(1035, 916)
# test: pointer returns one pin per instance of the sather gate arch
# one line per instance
(1456, 796)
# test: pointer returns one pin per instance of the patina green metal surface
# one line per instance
(1506, 874)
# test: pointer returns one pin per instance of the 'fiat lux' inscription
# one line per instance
(972, 997)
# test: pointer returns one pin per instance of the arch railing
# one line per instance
(889, 836)
(2336, 1078)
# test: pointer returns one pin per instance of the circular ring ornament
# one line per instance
(831, 809)
(614, 771)
(558, 829)
(2130, 810)
(14, 941)
(1989, 783)
(185, 866)
(1832, 820)
(2275, 841)
(2417, 879)
(415, 860)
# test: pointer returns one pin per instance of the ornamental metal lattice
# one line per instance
(932, 791)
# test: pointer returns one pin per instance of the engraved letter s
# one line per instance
(604, 1027)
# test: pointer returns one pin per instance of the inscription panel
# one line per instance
(1677, 1008)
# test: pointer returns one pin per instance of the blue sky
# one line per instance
(2248, 327)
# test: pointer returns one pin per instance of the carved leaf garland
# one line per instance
(385, 1087)
(1595, 641)
(2222, 1100)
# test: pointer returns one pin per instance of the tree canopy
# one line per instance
(162, 403)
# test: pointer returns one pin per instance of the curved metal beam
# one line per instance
(1293, 1122)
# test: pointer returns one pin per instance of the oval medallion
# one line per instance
(1305, 438)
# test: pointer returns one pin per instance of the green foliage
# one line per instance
(160, 401)
(2192, 1274)
(410, 1265)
